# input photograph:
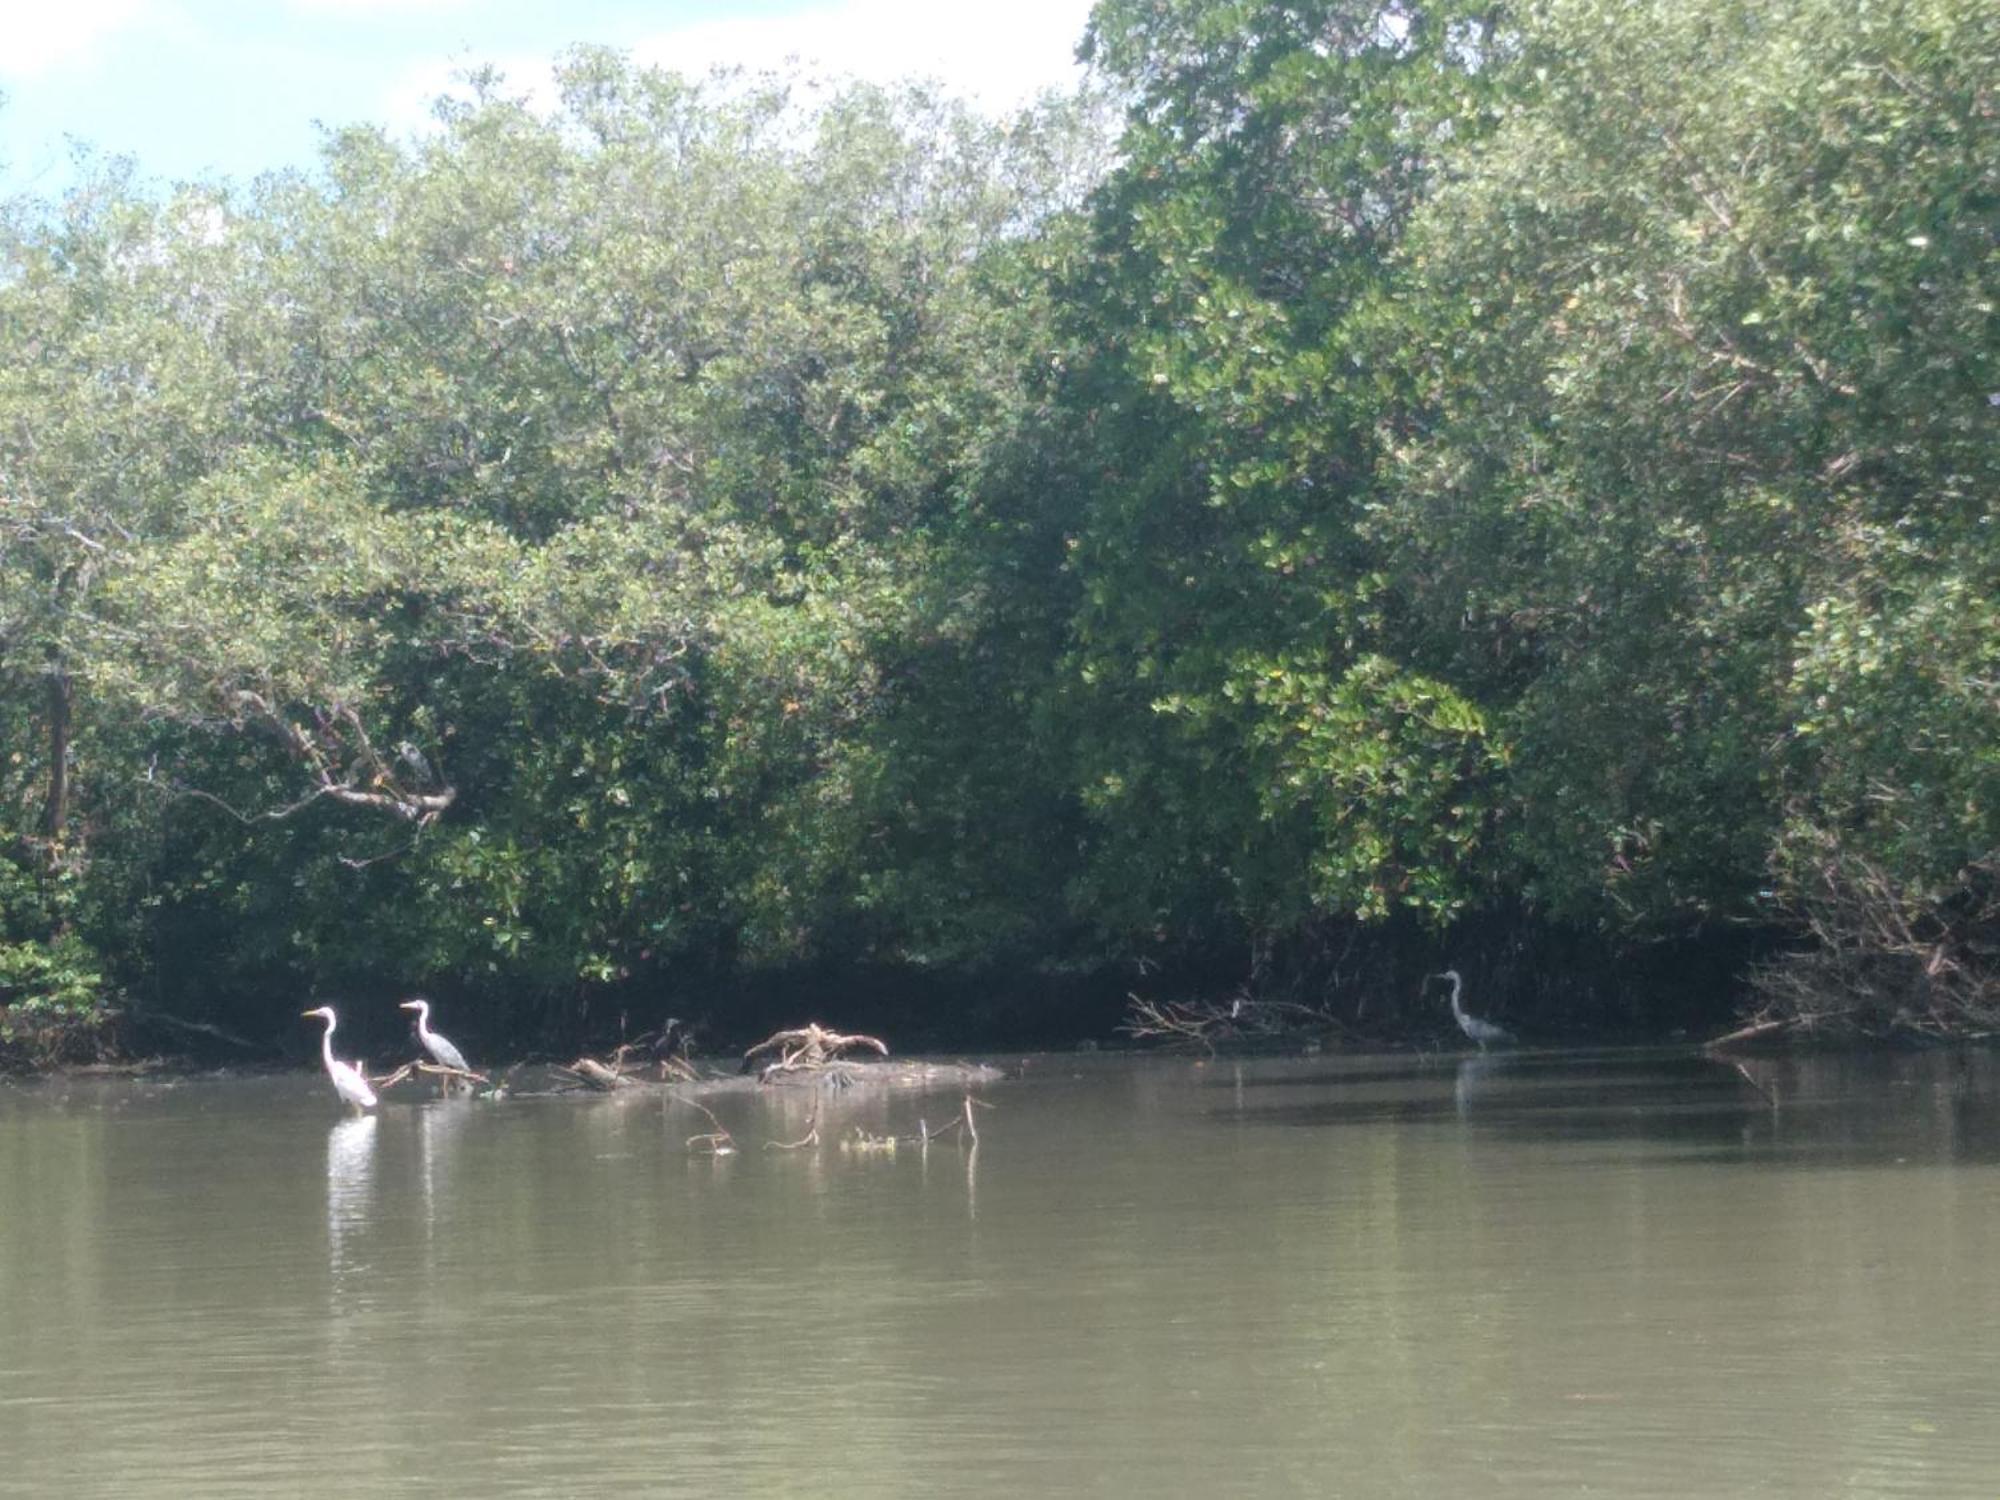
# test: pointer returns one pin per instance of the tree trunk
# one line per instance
(55, 812)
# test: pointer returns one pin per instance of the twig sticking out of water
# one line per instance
(716, 1142)
(810, 1138)
(859, 1142)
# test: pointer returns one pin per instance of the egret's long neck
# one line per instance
(1456, 1012)
(424, 1024)
(326, 1044)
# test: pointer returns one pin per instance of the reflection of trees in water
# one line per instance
(1852, 1106)
(1815, 1109)
(1824, 1109)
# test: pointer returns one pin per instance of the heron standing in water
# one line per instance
(348, 1081)
(1482, 1032)
(440, 1048)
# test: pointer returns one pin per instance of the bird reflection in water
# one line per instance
(350, 1185)
(1475, 1076)
(437, 1126)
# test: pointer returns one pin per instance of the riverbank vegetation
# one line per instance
(1364, 484)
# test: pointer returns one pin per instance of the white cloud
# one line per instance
(43, 34)
(997, 54)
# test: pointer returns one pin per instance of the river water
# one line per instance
(1603, 1274)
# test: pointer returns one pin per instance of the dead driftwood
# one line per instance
(685, 1080)
(436, 1070)
(671, 1048)
(806, 1049)
(604, 1077)
(595, 1075)
(677, 1070)
(1209, 1024)
(1755, 1031)
(1881, 957)
(810, 1056)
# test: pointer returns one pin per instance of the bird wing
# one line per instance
(350, 1083)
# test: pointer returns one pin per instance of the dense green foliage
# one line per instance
(1707, 485)
(1449, 471)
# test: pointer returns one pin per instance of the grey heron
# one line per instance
(1482, 1032)
(440, 1048)
(347, 1079)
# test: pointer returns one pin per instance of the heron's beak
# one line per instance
(408, 1004)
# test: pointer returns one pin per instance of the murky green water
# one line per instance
(1610, 1275)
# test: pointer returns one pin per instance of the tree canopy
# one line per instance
(1422, 474)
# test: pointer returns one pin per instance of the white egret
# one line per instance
(440, 1048)
(1479, 1031)
(348, 1081)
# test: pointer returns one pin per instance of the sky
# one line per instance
(206, 88)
